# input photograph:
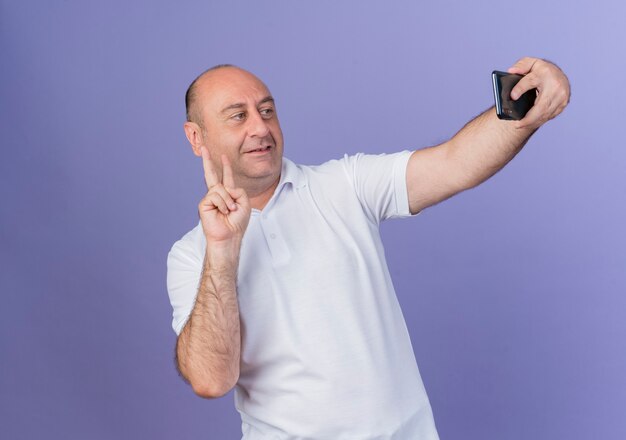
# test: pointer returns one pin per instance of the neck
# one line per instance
(259, 198)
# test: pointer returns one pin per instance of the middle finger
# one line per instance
(210, 176)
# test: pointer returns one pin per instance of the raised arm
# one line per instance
(485, 144)
(209, 346)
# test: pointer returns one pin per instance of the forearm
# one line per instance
(209, 346)
(483, 146)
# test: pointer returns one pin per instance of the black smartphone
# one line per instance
(506, 108)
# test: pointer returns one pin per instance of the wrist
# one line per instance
(222, 256)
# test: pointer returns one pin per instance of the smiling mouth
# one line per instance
(261, 150)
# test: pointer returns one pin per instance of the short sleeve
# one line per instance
(380, 183)
(184, 268)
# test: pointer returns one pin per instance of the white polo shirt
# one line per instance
(326, 354)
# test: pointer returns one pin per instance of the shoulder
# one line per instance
(333, 169)
(350, 166)
(190, 247)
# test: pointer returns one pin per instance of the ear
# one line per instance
(194, 136)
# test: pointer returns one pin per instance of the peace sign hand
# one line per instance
(224, 210)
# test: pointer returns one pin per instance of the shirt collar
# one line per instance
(290, 173)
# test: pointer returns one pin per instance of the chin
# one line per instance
(263, 172)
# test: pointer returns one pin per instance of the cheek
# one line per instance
(230, 142)
(276, 132)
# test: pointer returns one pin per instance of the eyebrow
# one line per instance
(241, 104)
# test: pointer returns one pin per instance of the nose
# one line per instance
(257, 125)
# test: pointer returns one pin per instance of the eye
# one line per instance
(238, 116)
(267, 113)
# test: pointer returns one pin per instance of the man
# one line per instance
(282, 290)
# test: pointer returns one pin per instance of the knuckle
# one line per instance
(215, 189)
(530, 80)
(545, 69)
(546, 108)
(205, 199)
(216, 200)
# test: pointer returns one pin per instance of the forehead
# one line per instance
(226, 86)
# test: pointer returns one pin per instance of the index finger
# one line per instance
(227, 173)
(210, 176)
(525, 84)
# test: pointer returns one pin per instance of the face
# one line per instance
(240, 121)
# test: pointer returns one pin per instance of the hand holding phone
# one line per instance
(506, 108)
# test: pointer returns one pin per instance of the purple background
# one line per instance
(513, 292)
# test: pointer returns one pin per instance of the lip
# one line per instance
(258, 152)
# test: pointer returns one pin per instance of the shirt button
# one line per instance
(272, 235)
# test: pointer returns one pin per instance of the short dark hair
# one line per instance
(191, 95)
